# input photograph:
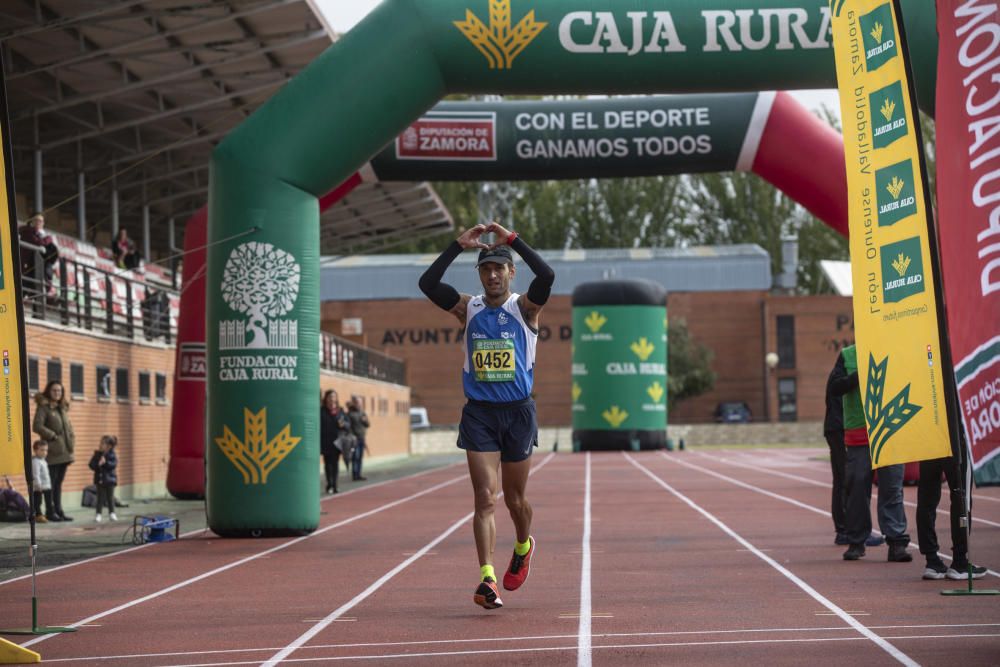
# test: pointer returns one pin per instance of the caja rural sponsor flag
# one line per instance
(968, 159)
(12, 445)
(903, 381)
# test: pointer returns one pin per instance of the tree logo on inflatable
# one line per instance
(262, 282)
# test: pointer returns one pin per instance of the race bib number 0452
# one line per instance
(493, 360)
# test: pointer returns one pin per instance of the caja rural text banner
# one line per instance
(902, 379)
(11, 396)
(968, 187)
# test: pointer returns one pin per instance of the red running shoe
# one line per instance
(487, 596)
(517, 571)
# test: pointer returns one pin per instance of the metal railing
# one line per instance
(337, 354)
(76, 294)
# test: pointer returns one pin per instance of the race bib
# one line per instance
(493, 360)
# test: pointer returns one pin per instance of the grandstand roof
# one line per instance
(695, 269)
(137, 93)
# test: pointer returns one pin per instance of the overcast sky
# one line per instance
(341, 15)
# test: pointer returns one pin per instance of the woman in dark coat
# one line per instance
(333, 422)
(53, 425)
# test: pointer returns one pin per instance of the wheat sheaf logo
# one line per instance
(577, 391)
(595, 321)
(499, 43)
(615, 416)
(655, 391)
(888, 107)
(895, 186)
(254, 456)
(642, 348)
(901, 264)
(877, 32)
(885, 420)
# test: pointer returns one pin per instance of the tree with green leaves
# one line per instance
(689, 364)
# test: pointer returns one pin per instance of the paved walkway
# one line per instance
(62, 543)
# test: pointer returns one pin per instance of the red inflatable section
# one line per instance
(804, 157)
(186, 470)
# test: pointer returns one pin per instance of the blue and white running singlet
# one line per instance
(499, 352)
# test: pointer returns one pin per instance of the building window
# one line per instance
(53, 370)
(144, 394)
(103, 383)
(788, 410)
(33, 374)
(121, 384)
(786, 341)
(161, 388)
(76, 381)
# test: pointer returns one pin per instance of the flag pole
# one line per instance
(15, 274)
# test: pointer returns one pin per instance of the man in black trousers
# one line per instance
(928, 497)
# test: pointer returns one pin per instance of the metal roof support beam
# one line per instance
(145, 232)
(158, 35)
(179, 195)
(165, 114)
(305, 37)
(67, 21)
(138, 155)
(114, 210)
(39, 204)
(81, 205)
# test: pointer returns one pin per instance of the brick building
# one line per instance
(723, 294)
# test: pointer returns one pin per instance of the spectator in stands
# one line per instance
(359, 427)
(126, 255)
(334, 423)
(53, 424)
(33, 232)
(41, 483)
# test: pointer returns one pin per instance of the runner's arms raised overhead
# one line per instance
(538, 291)
(442, 294)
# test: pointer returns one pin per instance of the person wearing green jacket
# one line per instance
(844, 382)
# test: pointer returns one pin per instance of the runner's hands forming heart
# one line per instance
(501, 233)
(470, 238)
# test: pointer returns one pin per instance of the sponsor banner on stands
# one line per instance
(904, 382)
(968, 160)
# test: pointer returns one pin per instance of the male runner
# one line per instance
(498, 427)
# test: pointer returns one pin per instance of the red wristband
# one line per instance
(511, 238)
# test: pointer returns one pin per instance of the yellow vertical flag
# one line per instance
(893, 264)
(12, 445)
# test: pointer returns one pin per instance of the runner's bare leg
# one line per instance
(483, 470)
(515, 480)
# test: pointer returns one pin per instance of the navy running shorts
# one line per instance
(508, 428)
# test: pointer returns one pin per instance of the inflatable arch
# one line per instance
(268, 175)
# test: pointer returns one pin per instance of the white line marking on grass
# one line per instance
(202, 530)
(247, 559)
(381, 581)
(751, 487)
(583, 651)
(813, 593)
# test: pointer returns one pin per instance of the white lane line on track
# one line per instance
(283, 654)
(202, 530)
(551, 649)
(600, 635)
(247, 559)
(751, 487)
(583, 641)
(816, 482)
(809, 590)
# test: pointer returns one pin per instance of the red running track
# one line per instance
(710, 557)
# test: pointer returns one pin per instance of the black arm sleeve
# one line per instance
(442, 294)
(538, 290)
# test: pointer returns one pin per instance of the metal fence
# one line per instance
(337, 354)
(73, 293)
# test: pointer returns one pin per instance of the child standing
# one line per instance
(104, 463)
(42, 483)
